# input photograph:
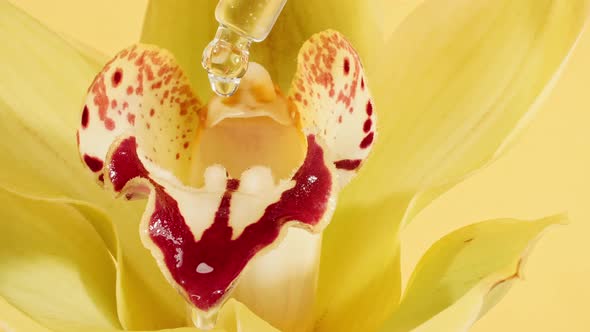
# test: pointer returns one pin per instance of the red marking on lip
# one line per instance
(367, 141)
(131, 118)
(306, 202)
(94, 163)
(348, 164)
(130, 90)
(85, 116)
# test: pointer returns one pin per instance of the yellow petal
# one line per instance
(43, 85)
(54, 266)
(235, 317)
(459, 80)
(12, 319)
(465, 273)
(185, 27)
(359, 283)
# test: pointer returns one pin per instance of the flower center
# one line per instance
(257, 126)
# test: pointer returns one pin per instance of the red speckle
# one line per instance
(117, 77)
(109, 124)
(101, 178)
(367, 125)
(157, 85)
(177, 156)
(369, 108)
(93, 163)
(152, 112)
(367, 141)
(85, 116)
(101, 100)
(340, 119)
(346, 66)
(131, 119)
(362, 83)
(125, 105)
(298, 96)
(113, 103)
(185, 145)
(348, 164)
(130, 90)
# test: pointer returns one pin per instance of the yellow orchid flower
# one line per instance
(452, 83)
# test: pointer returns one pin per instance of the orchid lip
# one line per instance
(226, 179)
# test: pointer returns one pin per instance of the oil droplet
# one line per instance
(222, 86)
(226, 61)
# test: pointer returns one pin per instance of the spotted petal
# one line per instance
(331, 92)
(224, 180)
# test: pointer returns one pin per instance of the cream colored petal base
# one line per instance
(280, 285)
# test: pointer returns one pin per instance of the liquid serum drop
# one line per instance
(241, 22)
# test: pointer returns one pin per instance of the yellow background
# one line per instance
(547, 172)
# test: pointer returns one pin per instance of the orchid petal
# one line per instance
(12, 319)
(54, 266)
(465, 273)
(185, 27)
(331, 92)
(141, 89)
(183, 226)
(360, 283)
(422, 84)
(233, 317)
(39, 112)
(130, 150)
(460, 87)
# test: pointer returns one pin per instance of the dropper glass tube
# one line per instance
(241, 22)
